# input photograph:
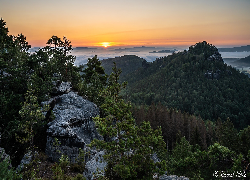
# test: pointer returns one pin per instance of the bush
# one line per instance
(7, 173)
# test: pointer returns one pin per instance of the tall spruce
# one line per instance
(94, 81)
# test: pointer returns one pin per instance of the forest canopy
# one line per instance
(192, 129)
(196, 81)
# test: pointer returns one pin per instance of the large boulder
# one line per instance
(27, 158)
(60, 88)
(72, 128)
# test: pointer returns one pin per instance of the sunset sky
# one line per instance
(130, 22)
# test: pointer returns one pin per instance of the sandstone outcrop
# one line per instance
(73, 126)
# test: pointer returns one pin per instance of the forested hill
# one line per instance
(196, 81)
(128, 64)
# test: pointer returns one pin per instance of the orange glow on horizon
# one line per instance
(151, 23)
(156, 43)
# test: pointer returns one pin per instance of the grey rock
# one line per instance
(155, 158)
(5, 157)
(95, 167)
(61, 87)
(212, 75)
(215, 57)
(65, 87)
(73, 126)
(4, 74)
(172, 177)
(27, 158)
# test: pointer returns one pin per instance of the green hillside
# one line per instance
(128, 64)
(196, 81)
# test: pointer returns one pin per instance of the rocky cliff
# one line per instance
(73, 126)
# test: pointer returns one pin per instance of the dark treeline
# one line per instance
(198, 148)
(196, 81)
(176, 124)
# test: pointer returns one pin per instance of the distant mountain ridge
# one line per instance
(235, 49)
(196, 81)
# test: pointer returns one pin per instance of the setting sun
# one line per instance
(151, 23)
(105, 44)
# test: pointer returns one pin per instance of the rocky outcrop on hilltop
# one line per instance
(215, 57)
(212, 75)
(73, 126)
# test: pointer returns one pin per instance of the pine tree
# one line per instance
(31, 119)
(128, 147)
(94, 81)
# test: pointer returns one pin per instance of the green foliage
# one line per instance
(227, 135)
(64, 161)
(31, 170)
(13, 78)
(60, 169)
(191, 162)
(127, 63)
(64, 164)
(186, 160)
(53, 63)
(203, 48)
(217, 153)
(32, 119)
(244, 136)
(18, 70)
(79, 177)
(58, 172)
(56, 144)
(79, 166)
(94, 80)
(129, 153)
(81, 156)
(7, 173)
(178, 81)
